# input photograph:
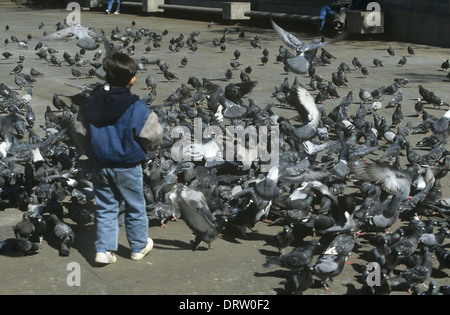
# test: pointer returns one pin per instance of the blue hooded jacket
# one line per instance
(116, 118)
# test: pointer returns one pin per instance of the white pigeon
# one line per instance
(86, 37)
(375, 106)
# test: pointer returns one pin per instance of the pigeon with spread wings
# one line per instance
(86, 37)
(306, 52)
(308, 112)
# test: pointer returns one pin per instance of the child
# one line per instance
(116, 128)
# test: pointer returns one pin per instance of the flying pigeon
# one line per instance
(86, 37)
(306, 53)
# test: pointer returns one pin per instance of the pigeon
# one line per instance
(392, 179)
(403, 61)
(365, 71)
(25, 227)
(430, 239)
(237, 54)
(254, 42)
(282, 239)
(267, 188)
(234, 64)
(203, 224)
(21, 83)
(298, 258)
(445, 65)
(77, 73)
(7, 54)
(305, 52)
(356, 63)
(342, 244)
(408, 245)
(184, 62)
(337, 80)
(86, 37)
(442, 255)
(328, 266)
(54, 60)
(162, 212)
(228, 74)
(391, 51)
(308, 112)
(236, 91)
(17, 69)
(299, 280)
(397, 115)
(365, 96)
(35, 73)
(18, 246)
(377, 62)
(397, 99)
(401, 81)
(169, 75)
(410, 50)
(411, 277)
(64, 235)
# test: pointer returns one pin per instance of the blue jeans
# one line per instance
(110, 3)
(326, 10)
(111, 185)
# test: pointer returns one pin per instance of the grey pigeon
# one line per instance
(86, 37)
(403, 61)
(408, 245)
(342, 244)
(356, 63)
(365, 96)
(328, 266)
(430, 239)
(17, 69)
(443, 256)
(64, 235)
(25, 227)
(163, 212)
(299, 257)
(305, 52)
(18, 246)
(393, 180)
(377, 62)
(267, 188)
(397, 99)
(445, 65)
(203, 224)
(391, 51)
(299, 280)
(308, 112)
(282, 239)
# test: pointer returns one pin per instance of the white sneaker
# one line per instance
(105, 258)
(143, 252)
(107, 12)
(117, 12)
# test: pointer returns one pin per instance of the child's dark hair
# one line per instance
(119, 68)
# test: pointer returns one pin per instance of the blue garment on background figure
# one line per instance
(110, 3)
(324, 12)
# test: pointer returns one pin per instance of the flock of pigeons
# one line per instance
(324, 154)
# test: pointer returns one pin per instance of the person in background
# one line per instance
(110, 4)
(336, 11)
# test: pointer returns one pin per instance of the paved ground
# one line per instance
(232, 266)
